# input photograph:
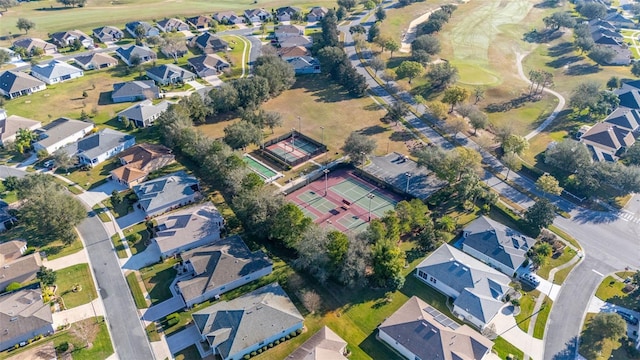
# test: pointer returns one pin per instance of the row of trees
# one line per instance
(436, 20)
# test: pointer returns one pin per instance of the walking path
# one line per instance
(410, 34)
(79, 257)
(88, 310)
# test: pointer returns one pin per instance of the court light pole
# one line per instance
(370, 197)
(293, 138)
(325, 171)
(299, 123)
(408, 177)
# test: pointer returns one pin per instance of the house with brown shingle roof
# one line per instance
(607, 141)
(173, 24)
(31, 43)
(140, 160)
(293, 52)
(10, 125)
(228, 18)
(23, 316)
(17, 268)
(418, 331)
(323, 345)
(16, 83)
(199, 22)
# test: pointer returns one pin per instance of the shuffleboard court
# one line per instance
(265, 172)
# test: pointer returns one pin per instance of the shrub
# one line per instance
(13, 286)
(299, 331)
(264, 348)
(253, 353)
(277, 342)
(288, 337)
(259, 351)
(293, 334)
(282, 340)
(270, 345)
(246, 357)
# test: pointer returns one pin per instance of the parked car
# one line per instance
(628, 317)
(530, 278)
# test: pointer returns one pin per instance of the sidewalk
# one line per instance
(60, 263)
(78, 313)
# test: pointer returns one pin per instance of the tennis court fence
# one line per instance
(288, 162)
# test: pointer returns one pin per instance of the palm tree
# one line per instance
(24, 138)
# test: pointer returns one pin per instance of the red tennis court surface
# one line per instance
(347, 204)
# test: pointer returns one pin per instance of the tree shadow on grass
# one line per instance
(373, 130)
(540, 37)
(564, 60)
(582, 69)
(560, 49)
(373, 107)
(105, 98)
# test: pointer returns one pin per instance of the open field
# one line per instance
(398, 19)
(75, 285)
(51, 16)
(321, 103)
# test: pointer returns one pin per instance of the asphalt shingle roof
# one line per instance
(14, 81)
(60, 129)
(163, 191)
(135, 88)
(628, 119)
(169, 71)
(144, 110)
(55, 69)
(23, 312)
(97, 144)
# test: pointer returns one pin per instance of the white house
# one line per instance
(256, 16)
(9, 126)
(169, 192)
(220, 267)
(56, 72)
(97, 148)
(477, 289)
(61, 132)
(144, 113)
(16, 83)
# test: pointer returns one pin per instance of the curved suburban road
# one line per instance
(609, 241)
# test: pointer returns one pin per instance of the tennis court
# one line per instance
(318, 202)
(264, 171)
(294, 149)
(356, 193)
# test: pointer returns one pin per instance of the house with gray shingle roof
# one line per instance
(170, 74)
(496, 244)
(304, 65)
(20, 270)
(288, 13)
(149, 30)
(477, 289)
(144, 113)
(67, 38)
(97, 148)
(284, 31)
(625, 118)
(257, 16)
(323, 345)
(220, 267)
(23, 315)
(31, 43)
(607, 142)
(228, 18)
(295, 40)
(56, 72)
(169, 192)
(629, 99)
(209, 43)
(16, 83)
(134, 51)
(173, 24)
(61, 132)
(317, 13)
(95, 61)
(134, 91)
(242, 325)
(108, 34)
(418, 331)
(208, 65)
(9, 126)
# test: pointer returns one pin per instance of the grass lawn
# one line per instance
(138, 246)
(239, 45)
(152, 332)
(566, 237)
(543, 316)
(157, 279)
(503, 348)
(7, 196)
(398, 19)
(188, 353)
(71, 187)
(591, 347)
(99, 210)
(611, 290)
(120, 209)
(54, 250)
(94, 176)
(552, 262)
(138, 296)
(68, 278)
(561, 275)
(527, 302)
(119, 246)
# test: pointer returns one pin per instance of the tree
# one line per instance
(374, 32)
(512, 162)
(568, 155)
(337, 248)
(279, 73)
(358, 147)
(478, 93)
(62, 160)
(388, 75)
(392, 46)
(251, 91)
(347, 4)
(602, 54)
(478, 120)
(140, 32)
(242, 133)
(25, 24)
(585, 95)
(442, 74)
(223, 99)
(312, 301)
(5, 57)
(613, 83)
(543, 249)
(369, 5)
(591, 10)
(381, 13)
(6, 4)
(608, 326)
(515, 144)
(24, 138)
(438, 110)
(635, 68)
(388, 263)
(428, 43)
(341, 13)
(559, 19)
(584, 43)
(541, 214)
(456, 125)
(272, 119)
(448, 166)
(377, 64)
(454, 96)
(198, 108)
(409, 69)
(396, 111)
(116, 197)
(173, 46)
(46, 276)
(288, 224)
(548, 184)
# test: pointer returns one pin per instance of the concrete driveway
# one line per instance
(101, 192)
(164, 308)
(214, 80)
(507, 328)
(149, 256)
(196, 85)
(133, 218)
(183, 339)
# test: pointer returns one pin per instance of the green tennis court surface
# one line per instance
(356, 192)
(308, 213)
(284, 154)
(351, 222)
(317, 202)
(303, 145)
(259, 168)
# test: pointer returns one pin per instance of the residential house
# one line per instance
(56, 72)
(67, 38)
(629, 99)
(256, 16)
(477, 290)
(149, 30)
(188, 228)
(170, 74)
(625, 118)
(14, 267)
(628, 85)
(296, 40)
(220, 267)
(16, 83)
(13, 56)
(108, 34)
(237, 327)
(317, 13)
(140, 160)
(169, 192)
(293, 52)
(144, 113)
(95, 61)
(134, 91)
(618, 20)
(143, 53)
(304, 65)
(285, 31)
(288, 13)
(208, 65)
(418, 331)
(209, 43)
(605, 33)
(97, 148)
(23, 316)
(607, 141)
(171, 25)
(10, 125)
(200, 22)
(323, 345)
(179, 50)
(6, 219)
(496, 244)
(228, 18)
(61, 132)
(32, 43)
